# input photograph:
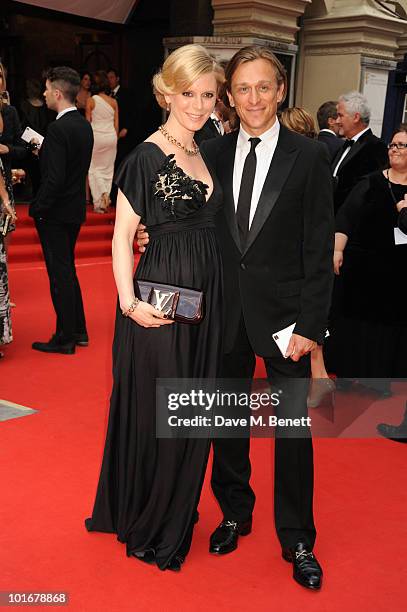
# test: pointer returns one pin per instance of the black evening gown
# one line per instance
(149, 488)
(368, 339)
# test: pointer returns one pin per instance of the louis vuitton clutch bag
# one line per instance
(178, 303)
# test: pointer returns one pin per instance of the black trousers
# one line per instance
(58, 245)
(293, 470)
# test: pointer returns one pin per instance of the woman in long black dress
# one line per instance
(149, 488)
(369, 340)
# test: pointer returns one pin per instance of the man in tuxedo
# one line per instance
(59, 208)
(276, 234)
(328, 128)
(362, 152)
(275, 230)
(125, 101)
(212, 128)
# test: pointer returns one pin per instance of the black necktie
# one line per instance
(216, 123)
(246, 190)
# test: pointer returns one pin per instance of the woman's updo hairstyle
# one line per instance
(183, 67)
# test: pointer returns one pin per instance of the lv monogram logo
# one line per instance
(164, 301)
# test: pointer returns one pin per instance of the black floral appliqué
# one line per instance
(173, 184)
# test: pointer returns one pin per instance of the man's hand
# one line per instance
(123, 133)
(402, 203)
(4, 149)
(299, 346)
(142, 237)
(338, 261)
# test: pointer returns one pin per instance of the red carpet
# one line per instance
(95, 237)
(49, 465)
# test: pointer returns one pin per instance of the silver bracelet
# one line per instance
(131, 308)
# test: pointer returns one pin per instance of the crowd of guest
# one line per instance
(368, 326)
(99, 98)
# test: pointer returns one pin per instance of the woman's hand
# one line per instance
(338, 261)
(9, 210)
(148, 316)
(402, 203)
(4, 149)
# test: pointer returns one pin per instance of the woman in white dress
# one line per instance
(103, 113)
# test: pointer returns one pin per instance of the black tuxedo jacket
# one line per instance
(207, 131)
(284, 274)
(65, 158)
(125, 100)
(333, 142)
(368, 154)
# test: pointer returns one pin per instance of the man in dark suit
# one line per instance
(125, 101)
(328, 128)
(362, 152)
(126, 137)
(212, 128)
(276, 235)
(60, 207)
(275, 231)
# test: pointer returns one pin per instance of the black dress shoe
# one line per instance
(225, 537)
(82, 339)
(175, 564)
(306, 569)
(55, 345)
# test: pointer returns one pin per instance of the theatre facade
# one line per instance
(327, 46)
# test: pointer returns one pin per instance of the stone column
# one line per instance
(347, 45)
(237, 23)
(270, 19)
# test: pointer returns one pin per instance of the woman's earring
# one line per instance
(168, 108)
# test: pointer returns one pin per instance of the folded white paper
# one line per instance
(282, 338)
(399, 236)
(30, 135)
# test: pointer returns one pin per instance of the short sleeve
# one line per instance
(133, 178)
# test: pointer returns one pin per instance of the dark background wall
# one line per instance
(32, 39)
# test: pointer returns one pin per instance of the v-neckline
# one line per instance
(185, 173)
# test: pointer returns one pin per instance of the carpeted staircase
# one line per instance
(94, 240)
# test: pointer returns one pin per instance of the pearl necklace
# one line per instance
(174, 141)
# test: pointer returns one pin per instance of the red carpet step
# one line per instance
(95, 238)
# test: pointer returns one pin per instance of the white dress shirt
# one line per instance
(264, 154)
(66, 110)
(344, 154)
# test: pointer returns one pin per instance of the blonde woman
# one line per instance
(299, 120)
(149, 487)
